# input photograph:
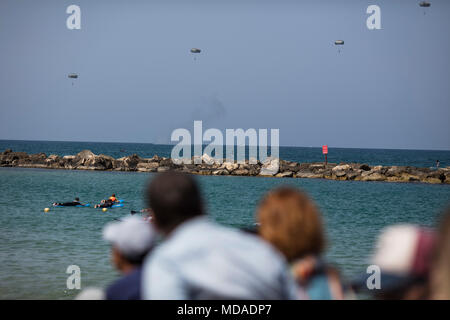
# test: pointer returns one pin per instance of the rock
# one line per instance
(340, 170)
(166, 162)
(353, 174)
(147, 166)
(343, 167)
(374, 176)
(312, 175)
(81, 159)
(221, 172)
(85, 154)
(156, 158)
(207, 159)
(204, 172)
(253, 160)
(270, 167)
(285, 174)
(53, 157)
(432, 180)
(13, 158)
(253, 170)
(447, 177)
(130, 163)
(240, 172)
(230, 166)
(69, 158)
(87, 160)
(314, 167)
(407, 177)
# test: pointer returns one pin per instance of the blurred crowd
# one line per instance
(179, 253)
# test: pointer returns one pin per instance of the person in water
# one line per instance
(108, 203)
(75, 202)
(105, 204)
(113, 198)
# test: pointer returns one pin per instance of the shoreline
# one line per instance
(86, 160)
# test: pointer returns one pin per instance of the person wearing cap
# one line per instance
(199, 259)
(403, 256)
(131, 240)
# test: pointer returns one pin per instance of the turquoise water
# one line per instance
(37, 247)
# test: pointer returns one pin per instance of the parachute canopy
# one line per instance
(73, 76)
(339, 42)
(195, 50)
(424, 4)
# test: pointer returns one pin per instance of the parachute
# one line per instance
(424, 5)
(72, 76)
(339, 43)
(195, 50)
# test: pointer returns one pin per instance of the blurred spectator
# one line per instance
(131, 239)
(403, 255)
(291, 222)
(199, 259)
(440, 274)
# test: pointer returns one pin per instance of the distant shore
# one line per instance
(86, 160)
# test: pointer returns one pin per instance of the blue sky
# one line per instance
(264, 64)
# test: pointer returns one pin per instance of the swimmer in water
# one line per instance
(73, 203)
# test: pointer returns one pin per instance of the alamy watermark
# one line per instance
(74, 20)
(74, 280)
(234, 139)
(373, 22)
(374, 280)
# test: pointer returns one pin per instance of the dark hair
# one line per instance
(174, 197)
(113, 194)
(77, 199)
(136, 260)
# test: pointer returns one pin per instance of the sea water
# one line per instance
(36, 247)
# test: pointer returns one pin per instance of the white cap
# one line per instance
(404, 249)
(132, 236)
(396, 248)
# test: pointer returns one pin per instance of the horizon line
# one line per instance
(168, 144)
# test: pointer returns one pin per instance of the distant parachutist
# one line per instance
(424, 4)
(72, 76)
(339, 43)
(195, 51)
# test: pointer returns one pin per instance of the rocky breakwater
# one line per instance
(87, 160)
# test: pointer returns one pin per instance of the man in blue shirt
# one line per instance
(131, 240)
(199, 259)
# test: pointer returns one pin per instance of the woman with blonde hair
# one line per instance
(292, 223)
